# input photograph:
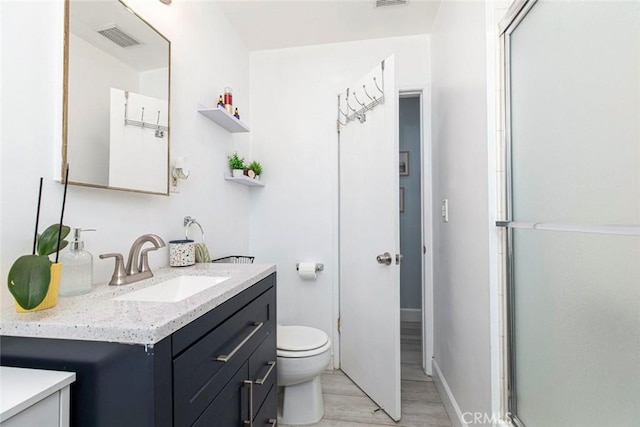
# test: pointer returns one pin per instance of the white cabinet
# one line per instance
(34, 397)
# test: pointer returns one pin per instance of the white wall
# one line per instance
(92, 73)
(293, 131)
(154, 83)
(206, 57)
(464, 174)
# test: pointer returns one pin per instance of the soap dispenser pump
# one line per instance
(77, 267)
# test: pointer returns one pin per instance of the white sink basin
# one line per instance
(173, 290)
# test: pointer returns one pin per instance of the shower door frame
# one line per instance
(514, 16)
(512, 19)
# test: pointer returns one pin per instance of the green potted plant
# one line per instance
(33, 279)
(256, 167)
(236, 163)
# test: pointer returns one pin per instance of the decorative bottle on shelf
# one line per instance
(77, 268)
(236, 114)
(228, 100)
(220, 102)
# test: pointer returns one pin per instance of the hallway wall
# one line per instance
(410, 219)
(464, 174)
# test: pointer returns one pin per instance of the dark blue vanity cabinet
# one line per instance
(219, 370)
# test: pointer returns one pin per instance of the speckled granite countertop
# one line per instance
(96, 317)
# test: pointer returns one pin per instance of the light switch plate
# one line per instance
(445, 210)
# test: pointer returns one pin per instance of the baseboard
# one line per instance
(410, 315)
(449, 401)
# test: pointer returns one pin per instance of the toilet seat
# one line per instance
(301, 341)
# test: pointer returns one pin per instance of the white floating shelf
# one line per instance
(244, 180)
(223, 118)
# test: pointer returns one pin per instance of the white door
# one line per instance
(369, 227)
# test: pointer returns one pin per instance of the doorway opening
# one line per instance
(415, 234)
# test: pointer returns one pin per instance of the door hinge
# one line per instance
(339, 325)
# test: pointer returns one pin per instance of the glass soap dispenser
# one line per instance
(77, 268)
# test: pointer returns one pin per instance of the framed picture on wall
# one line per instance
(401, 199)
(404, 163)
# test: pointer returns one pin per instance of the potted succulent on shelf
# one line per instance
(256, 168)
(236, 163)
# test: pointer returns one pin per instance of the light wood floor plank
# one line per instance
(348, 406)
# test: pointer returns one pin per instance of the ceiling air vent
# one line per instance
(380, 3)
(116, 35)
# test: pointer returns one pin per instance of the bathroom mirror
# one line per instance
(116, 99)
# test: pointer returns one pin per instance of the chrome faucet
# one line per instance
(137, 267)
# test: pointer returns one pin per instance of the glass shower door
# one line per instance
(573, 126)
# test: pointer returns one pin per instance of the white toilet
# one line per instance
(303, 353)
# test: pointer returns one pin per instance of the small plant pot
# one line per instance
(51, 299)
(237, 173)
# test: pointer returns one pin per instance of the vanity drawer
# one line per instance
(268, 414)
(204, 369)
(231, 407)
(263, 370)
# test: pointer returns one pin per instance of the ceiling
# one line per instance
(86, 16)
(274, 24)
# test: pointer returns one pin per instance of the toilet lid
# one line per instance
(300, 338)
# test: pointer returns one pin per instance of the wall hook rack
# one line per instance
(368, 105)
(157, 127)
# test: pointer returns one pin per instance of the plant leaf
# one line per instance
(29, 279)
(48, 240)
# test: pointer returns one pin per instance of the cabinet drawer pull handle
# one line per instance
(226, 357)
(249, 384)
(264, 379)
(273, 422)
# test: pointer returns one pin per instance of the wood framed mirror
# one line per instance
(116, 103)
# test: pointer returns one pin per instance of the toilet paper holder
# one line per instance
(319, 267)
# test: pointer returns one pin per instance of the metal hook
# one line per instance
(374, 99)
(349, 105)
(142, 118)
(378, 87)
(159, 133)
(340, 111)
(355, 95)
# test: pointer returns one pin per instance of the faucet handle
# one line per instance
(119, 275)
(144, 260)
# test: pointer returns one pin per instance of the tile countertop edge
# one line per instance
(94, 316)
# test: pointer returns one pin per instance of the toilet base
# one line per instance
(303, 403)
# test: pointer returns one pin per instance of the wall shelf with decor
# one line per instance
(244, 180)
(223, 118)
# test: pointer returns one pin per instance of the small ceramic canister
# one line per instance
(182, 253)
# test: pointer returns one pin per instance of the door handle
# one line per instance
(399, 258)
(385, 258)
(272, 422)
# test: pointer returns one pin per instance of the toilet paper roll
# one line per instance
(307, 270)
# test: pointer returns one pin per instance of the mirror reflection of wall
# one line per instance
(112, 49)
